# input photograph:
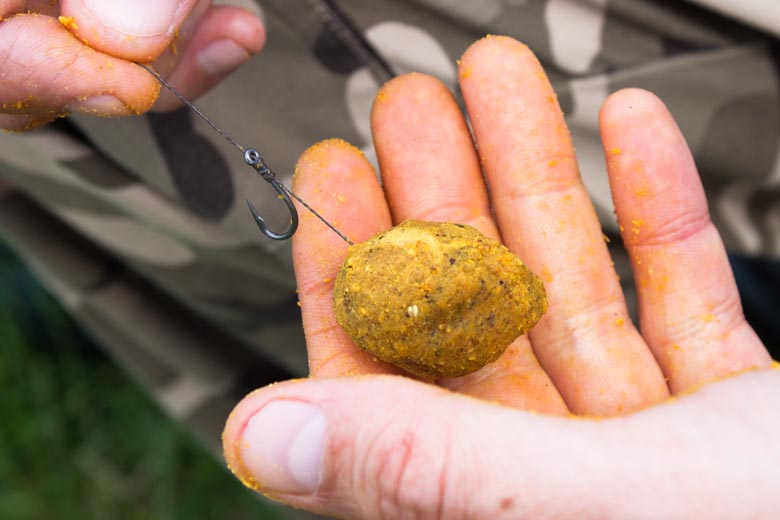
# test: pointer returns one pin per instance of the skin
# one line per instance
(691, 397)
(52, 67)
(677, 420)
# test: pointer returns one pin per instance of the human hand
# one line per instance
(83, 62)
(387, 446)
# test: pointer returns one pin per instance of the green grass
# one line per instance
(79, 440)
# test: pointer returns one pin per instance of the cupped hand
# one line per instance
(78, 55)
(520, 438)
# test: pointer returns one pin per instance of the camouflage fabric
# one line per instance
(139, 225)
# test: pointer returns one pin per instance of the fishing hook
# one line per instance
(252, 158)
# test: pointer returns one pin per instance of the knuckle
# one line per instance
(535, 173)
(685, 224)
(406, 474)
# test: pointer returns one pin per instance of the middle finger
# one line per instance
(431, 172)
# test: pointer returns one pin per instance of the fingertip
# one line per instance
(627, 104)
(143, 98)
(491, 43)
(410, 82)
(220, 26)
(224, 39)
(233, 442)
(324, 157)
(245, 28)
(642, 141)
(340, 178)
(490, 51)
(125, 89)
(138, 96)
(333, 164)
(384, 95)
(412, 89)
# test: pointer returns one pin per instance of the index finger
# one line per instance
(338, 180)
(47, 72)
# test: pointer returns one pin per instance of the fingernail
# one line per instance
(282, 446)
(222, 56)
(104, 105)
(134, 17)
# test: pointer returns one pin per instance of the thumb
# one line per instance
(135, 30)
(390, 447)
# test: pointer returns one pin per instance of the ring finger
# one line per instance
(586, 343)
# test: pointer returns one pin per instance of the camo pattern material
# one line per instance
(139, 225)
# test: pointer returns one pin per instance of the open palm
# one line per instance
(390, 446)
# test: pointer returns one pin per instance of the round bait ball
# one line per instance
(436, 299)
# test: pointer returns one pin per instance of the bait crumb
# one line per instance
(68, 22)
(636, 226)
(436, 299)
(174, 43)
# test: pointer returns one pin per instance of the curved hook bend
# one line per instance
(252, 158)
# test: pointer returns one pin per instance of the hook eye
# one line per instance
(252, 157)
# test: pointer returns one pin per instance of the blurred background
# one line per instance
(80, 440)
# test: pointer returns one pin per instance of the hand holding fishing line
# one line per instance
(389, 446)
(79, 55)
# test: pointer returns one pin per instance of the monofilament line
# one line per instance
(316, 214)
(191, 106)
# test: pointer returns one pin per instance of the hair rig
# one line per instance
(253, 158)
